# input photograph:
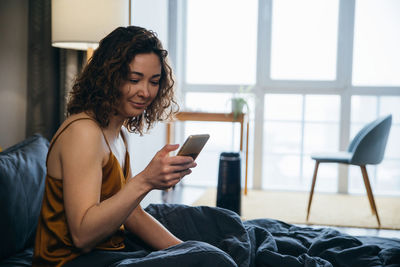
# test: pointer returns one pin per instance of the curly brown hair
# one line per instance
(97, 88)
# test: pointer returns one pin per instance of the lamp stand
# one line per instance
(89, 54)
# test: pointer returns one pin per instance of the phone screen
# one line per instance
(193, 145)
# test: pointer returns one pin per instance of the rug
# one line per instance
(326, 209)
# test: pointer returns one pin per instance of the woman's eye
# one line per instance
(155, 82)
(134, 81)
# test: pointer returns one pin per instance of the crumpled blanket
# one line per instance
(218, 237)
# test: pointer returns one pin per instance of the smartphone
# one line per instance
(193, 145)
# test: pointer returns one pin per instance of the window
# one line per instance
(294, 128)
(224, 136)
(320, 71)
(221, 41)
(304, 39)
(376, 43)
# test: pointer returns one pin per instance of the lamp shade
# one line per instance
(81, 24)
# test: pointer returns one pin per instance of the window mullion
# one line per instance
(181, 46)
(344, 74)
(262, 74)
(345, 43)
(264, 41)
(344, 137)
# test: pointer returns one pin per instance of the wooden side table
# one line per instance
(221, 117)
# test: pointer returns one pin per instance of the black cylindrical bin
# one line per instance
(229, 176)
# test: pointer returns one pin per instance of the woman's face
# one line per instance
(142, 85)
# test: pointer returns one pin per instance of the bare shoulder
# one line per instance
(82, 137)
(79, 140)
(82, 132)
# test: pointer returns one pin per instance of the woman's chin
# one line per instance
(136, 112)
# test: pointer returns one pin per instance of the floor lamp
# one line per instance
(81, 24)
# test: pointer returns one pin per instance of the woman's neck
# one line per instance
(114, 126)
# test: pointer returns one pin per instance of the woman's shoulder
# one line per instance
(74, 138)
(81, 116)
(80, 126)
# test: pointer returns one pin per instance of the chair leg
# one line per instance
(369, 193)
(312, 188)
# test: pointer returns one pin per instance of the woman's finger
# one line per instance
(179, 160)
(185, 172)
(179, 168)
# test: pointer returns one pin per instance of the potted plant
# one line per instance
(239, 101)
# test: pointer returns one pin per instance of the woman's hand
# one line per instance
(165, 171)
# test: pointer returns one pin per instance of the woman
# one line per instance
(90, 195)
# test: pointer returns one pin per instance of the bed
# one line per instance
(261, 242)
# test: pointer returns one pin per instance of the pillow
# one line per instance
(22, 173)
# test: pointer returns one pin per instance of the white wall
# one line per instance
(13, 70)
(152, 15)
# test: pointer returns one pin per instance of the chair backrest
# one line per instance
(368, 146)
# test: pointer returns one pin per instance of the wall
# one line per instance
(152, 15)
(13, 70)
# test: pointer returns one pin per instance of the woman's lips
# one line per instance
(138, 105)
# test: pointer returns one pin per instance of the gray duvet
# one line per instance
(217, 237)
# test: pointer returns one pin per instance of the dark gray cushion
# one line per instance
(22, 176)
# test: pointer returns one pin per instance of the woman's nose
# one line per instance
(144, 91)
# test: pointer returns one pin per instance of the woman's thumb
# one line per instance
(168, 148)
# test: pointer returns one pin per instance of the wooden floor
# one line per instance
(183, 194)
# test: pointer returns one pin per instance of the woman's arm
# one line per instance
(143, 225)
(150, 230)
(82, 155)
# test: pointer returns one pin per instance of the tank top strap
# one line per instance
(69, 123)
(124, 139)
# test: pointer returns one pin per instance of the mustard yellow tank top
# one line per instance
(53, 242)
